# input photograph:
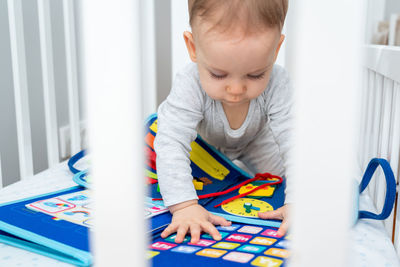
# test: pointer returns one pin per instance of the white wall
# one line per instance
(163, 48)
(379, 10)
(179, 24)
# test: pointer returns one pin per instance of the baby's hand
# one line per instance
(279, 214)
(190, 217)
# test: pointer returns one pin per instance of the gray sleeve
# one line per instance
(178, 117)
(279, 106)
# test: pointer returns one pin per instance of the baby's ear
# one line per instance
(281, 39)
(188, 36)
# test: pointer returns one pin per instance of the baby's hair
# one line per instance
(251, 14)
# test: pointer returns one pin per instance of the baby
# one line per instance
(234, 96)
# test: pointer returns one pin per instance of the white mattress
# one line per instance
(370, 243)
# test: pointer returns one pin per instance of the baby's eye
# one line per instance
(215, 76)
(256, 77)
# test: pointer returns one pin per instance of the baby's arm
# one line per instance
(189, 216)
(178, 118)
(279, 111)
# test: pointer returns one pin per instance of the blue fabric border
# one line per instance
(42, 250)
(245, 220)
(83, 258)
(41, 195)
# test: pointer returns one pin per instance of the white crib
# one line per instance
(380, 127)
(379, 130)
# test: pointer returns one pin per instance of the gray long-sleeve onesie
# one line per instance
(261, 143)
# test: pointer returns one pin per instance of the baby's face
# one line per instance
(234, 68)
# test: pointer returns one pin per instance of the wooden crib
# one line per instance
(380, 123)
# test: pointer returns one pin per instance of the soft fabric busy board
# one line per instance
(250, 241)
(55, 225)
(216, 173)
(58, 224)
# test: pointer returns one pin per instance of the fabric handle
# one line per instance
(390, 188)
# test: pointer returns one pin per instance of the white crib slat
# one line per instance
(148, 54)
(1, 175)
(72, 75)
(384, 145)
(112, 78)
(311, 227)
(376, 123)
(46, 50)
(371, 124)
(395, 131)
(377, 115)
(367, 111)
(395, 155)
(363, 122)
(20, 87)
(370, 113)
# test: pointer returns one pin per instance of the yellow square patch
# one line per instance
(226, 245)
(266, 262)
(265, 241)
(153, 127)
(277, 252)
(212, 253)
(150, 254)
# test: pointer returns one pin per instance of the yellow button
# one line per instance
(212, 253)
(277, 252)
(266, 262)
(263, 241)
(226, 245)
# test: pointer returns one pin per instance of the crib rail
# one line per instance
(22, 88)
(380, 128)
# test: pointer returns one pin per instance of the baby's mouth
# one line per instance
(235, 99)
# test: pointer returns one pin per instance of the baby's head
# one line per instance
(235, 44)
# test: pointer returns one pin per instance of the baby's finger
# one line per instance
(210, 228)
(169, 230)
(195, 231)
(283, 228)
(218, 220)
(181, 233)
(274, 214)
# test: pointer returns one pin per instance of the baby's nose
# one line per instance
(236, 89)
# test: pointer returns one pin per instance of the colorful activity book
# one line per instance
(250, 241)
(213, 172)
(58, 224)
